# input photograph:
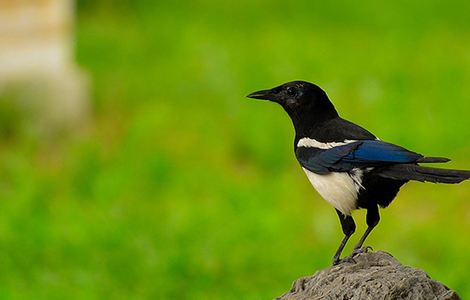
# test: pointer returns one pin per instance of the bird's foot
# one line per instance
(336, 260)
(348, 259)
(357, 251)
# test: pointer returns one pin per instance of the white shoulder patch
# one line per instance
(312, 143)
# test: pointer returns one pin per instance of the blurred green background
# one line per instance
(181, 188)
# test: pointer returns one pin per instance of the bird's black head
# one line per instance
(306, 103)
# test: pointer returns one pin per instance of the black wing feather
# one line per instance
(360, 154)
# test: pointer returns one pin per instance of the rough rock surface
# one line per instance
(373, 275)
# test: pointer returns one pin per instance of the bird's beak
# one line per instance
(263, 95)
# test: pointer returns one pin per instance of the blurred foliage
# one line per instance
(182, 188)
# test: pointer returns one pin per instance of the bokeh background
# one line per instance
(175, 186)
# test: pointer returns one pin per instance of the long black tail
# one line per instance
(419, 173)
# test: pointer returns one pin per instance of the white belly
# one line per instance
(337, 188)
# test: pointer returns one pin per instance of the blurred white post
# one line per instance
(37, 59)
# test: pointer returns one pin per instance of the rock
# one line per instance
(373, 275)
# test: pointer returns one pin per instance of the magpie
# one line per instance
(348, 165)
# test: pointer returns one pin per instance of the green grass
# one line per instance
(182, 188)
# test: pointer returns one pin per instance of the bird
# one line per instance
(346, 164)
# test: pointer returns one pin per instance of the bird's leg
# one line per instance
(348, 226)
(372, 219)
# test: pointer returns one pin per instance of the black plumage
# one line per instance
(347, 164)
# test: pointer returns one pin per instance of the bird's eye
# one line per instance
(291, 91)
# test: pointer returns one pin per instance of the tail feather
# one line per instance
(419, 173)
(433, 160)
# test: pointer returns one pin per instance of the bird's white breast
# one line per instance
(337, 188)
(340, 189)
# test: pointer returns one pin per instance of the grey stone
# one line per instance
(373, 275)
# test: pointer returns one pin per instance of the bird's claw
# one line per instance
(336, 261)
(361, 250)
(348, 259)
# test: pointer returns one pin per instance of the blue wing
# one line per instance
(360, 154)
